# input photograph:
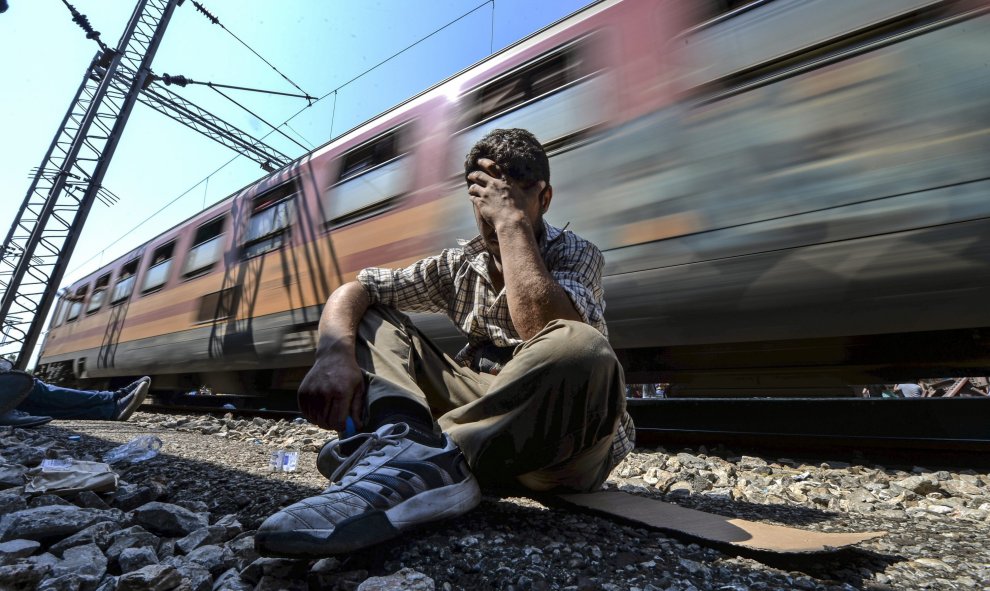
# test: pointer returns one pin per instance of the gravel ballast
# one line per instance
(185, 520)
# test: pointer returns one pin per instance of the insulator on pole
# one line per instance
(206, 12)
(83, 21)
(178, 80)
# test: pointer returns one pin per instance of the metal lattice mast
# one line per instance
(46, 228)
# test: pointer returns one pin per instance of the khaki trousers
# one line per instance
(546, 421)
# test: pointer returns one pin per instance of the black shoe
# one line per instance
(19, 418)
(389, 484)
(15, 386)
(130, 398)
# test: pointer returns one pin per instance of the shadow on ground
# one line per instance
(506, 541)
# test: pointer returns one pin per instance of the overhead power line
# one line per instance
(134, 228)
(68, 182)
(388, 59)
(213, 19)
(286, 122)
(303, 138)
(408, 47)
(259, 118)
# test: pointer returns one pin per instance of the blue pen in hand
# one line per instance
(350, 430)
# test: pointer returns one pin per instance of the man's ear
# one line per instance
(546, 195)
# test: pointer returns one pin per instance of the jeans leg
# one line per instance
(67, 403)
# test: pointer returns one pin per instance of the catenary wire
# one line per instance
(301, 136)
(389, 58)
(213, 19)
(259, 118)
(286, 122)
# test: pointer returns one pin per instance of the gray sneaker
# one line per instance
(389, 484)
(130, 397)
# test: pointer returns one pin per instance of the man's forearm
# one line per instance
(534, 296)
(341, 316)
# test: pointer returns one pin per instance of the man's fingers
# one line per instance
(337, 417)
(306, 406)
(490, 168)
(322, 414)
(478, 177)
(357, 406)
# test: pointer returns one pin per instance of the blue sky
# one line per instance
(318, 44)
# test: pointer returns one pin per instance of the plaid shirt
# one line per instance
(456, 282)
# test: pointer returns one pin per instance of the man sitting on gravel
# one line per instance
(535, 400)
(26, 401)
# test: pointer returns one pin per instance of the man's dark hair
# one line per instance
(516, 151)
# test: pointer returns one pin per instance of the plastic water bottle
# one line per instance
(136, 450)
(284, 461)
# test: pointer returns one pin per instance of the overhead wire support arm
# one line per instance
(174, 106)
(213, 19)
(179, 80)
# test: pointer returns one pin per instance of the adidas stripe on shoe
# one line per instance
(386, 486)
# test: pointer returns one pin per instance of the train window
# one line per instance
(61, 309)
(371, 179)
(219, 304)
(207, 246)
(99, 294)
(157, 273)
(558, 97)
(742, 45)
(717, 7)
(76, 304)
(125, 283)
(270, 219)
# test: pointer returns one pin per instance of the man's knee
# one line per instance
(577, 345)
(378, 314)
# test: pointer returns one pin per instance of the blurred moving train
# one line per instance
(788, 193)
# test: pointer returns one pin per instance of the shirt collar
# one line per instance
(477, 254)
(476, 246)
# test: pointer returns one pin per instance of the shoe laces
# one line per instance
(128, 389)
(373, 444)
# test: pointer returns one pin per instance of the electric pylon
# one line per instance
(44, 232)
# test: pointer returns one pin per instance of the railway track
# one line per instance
(924, 431)
(220, 411)
(934, 432)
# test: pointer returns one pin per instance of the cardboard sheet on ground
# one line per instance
(716, 528)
